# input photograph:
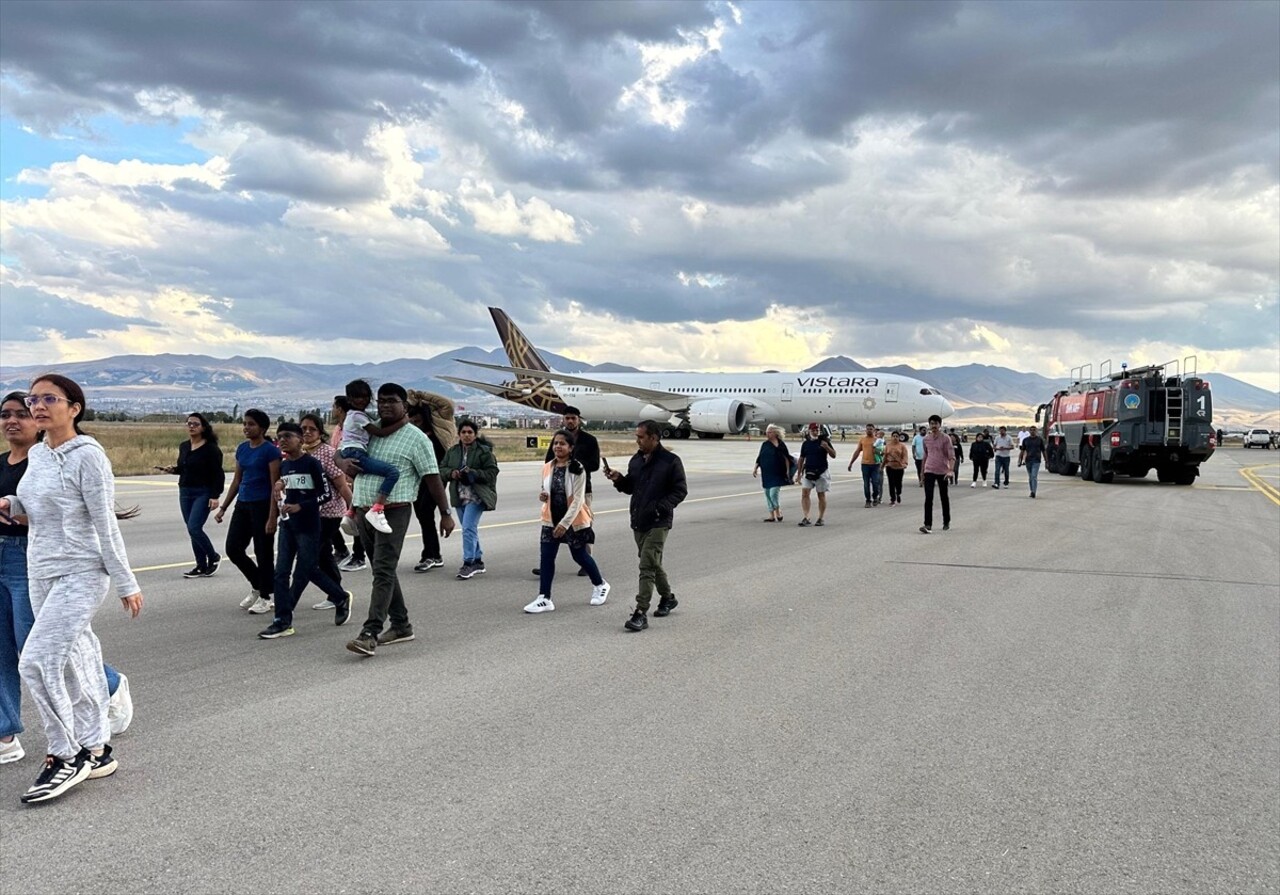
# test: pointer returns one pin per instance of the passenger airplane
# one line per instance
(710, 405)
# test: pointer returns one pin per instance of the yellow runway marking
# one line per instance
(1251, 476)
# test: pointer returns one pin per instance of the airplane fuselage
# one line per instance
(786, 399)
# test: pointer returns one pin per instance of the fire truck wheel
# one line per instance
(1086, 463)
(1185, 476)
(1101, 474)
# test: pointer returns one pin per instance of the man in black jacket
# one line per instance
(655, 481)
(586, 450)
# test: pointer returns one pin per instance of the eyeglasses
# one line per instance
(47, 400)
(195, 424)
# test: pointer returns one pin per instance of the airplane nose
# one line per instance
(947, 409)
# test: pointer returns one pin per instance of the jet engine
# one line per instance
(721, 416)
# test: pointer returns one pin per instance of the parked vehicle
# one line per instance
(1260, 438)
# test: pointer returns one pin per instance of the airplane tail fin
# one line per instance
(537, 393)
(520, 350)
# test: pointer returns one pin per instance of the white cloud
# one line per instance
(503, 215)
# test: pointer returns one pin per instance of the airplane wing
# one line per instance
(672, 401)
(499, 390)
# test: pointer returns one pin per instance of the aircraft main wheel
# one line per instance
(682, 433)
(667, 431)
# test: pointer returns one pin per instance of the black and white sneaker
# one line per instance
(342, 611)
(477, 567)
(197, 572)
(58, 776)
(275, 630)
(465, 572)
(213, 568)
(103, 765)
(427, 565)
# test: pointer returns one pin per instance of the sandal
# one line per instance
(769, 519)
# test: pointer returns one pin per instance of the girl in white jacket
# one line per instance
(566, 519)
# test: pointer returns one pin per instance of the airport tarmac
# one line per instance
(1079, 693)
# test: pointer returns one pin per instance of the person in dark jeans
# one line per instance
(332, 511)
(586, 450)
(424, 506)
(939, 464)
(200, 484)
(980, 454)
(410, 451)
(301, 490)
(257, 469)
(656, 482)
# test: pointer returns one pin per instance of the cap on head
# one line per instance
(814, 426)
(571, 411)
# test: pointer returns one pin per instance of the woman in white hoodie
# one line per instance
(74, 553)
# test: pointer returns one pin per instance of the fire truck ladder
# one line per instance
(1173, 416)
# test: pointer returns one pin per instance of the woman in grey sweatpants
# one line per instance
(74, 552)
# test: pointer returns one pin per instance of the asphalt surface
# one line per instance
(1079, 693)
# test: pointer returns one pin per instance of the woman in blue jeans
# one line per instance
(16, 615)
(200, 484)
(471, 470)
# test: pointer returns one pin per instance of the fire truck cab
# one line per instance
(1131, 422)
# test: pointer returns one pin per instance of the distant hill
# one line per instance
(179, 382)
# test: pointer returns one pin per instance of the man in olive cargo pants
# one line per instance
(655, 480)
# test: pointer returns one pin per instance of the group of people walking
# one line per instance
(289, 497)
(937, 456)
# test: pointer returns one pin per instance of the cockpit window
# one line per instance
(929, 391)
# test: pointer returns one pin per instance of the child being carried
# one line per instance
(356, 431)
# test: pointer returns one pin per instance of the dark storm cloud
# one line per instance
(28, 314)
(1103, 96)
(1096, 97)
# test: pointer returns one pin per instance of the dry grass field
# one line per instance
(135, 448)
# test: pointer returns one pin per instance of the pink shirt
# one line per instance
(939, 453)
(335, 506)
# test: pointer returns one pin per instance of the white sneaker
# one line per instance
(542, 604)
(324, 604)
(984, 483)
(249, 600)
(600, 594)
(348, 525)
(120, 708)
(973, 484)
(378, 521)
(11, 751)
(263, 605)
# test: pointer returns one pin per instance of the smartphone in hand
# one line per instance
(604, 462)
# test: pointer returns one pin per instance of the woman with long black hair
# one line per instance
(200, 484)
(75, 553)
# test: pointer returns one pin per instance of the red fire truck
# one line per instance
(1131, 422)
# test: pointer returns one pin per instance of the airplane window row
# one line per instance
(835, 391)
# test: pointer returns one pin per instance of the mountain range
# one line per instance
(181, 382)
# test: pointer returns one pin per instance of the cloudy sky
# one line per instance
(669, 185)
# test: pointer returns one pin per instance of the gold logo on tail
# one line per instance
(538, 393)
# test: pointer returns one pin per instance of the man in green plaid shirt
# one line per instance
(410, 451)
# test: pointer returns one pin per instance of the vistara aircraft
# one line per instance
(709, 405)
